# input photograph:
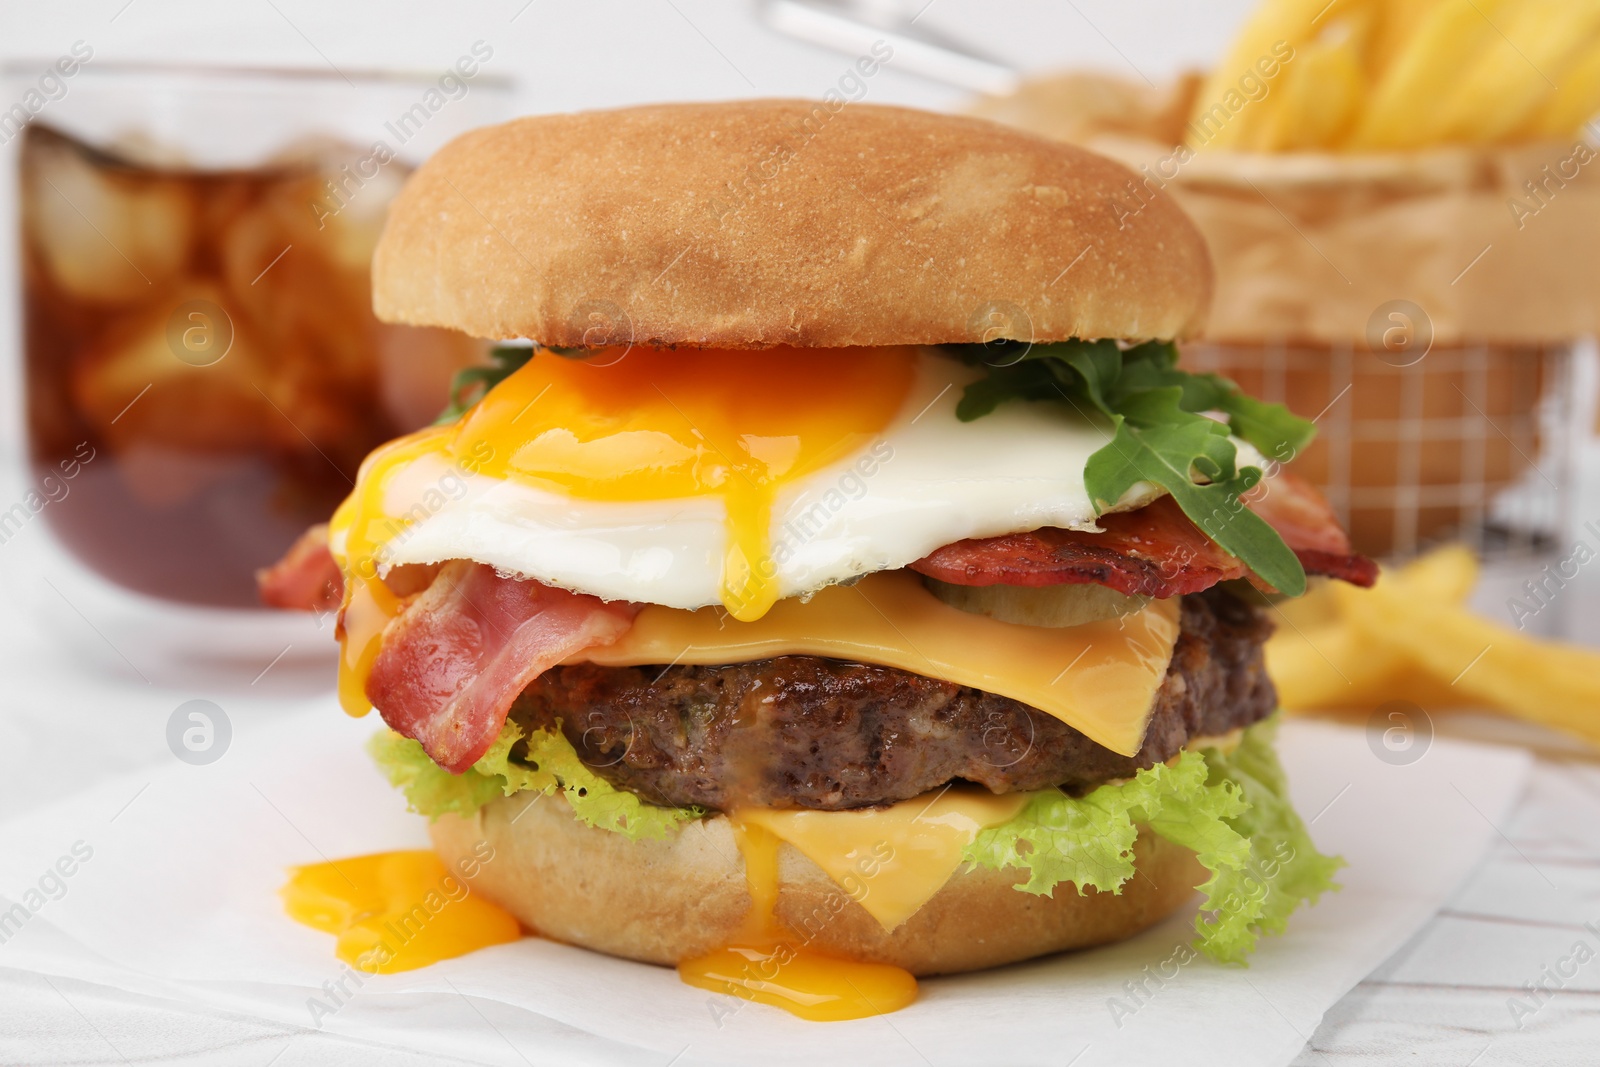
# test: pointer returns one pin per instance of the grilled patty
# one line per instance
(811, 732)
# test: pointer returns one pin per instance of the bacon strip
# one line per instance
(1154, 551)
(452, 664)
(306, 578)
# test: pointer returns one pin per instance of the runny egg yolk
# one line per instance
(395, 911)
(768, 965)
(633, 425)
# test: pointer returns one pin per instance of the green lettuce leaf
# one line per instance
(550, 764)
(1158, 432)
(1285, 867)
(1231, 809)
(430, 789)
(470, 384)
(595, 801)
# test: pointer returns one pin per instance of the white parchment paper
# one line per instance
(179, 900)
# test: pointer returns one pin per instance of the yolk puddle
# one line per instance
(766, 964)
(643, 424)
(395, 911)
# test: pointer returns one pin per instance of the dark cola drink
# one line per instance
(203, 370)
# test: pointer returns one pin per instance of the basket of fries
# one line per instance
(1403, 253)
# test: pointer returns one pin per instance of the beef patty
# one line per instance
(810, 732)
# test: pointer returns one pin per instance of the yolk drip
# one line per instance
(367, 528)
(395, 911)
(769, 966)
(645, 424)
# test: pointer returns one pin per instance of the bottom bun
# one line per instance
(675, 899)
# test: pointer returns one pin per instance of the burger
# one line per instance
(833, 578)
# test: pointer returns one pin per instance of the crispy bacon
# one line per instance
(306, 578)
(1154, 551)
(462, 651)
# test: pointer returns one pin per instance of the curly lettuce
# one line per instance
(1231, 808)
(546, 764)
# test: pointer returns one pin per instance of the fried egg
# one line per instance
(688, 478)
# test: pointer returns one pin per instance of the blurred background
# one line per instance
(191, 373)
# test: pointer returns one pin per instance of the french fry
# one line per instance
(1320, 93)
(1403, 107)
(1344, 667)
(1308, 612)
(1331, 667)
(1577, 100)
(1489, 664)
(1398, 24)
(1397, 75)
(1323, 658)
(1290, 21)
(1252, 129)
(1518, 71)
(1447, 575)
(1303, 664)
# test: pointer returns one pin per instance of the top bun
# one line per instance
(758, 223)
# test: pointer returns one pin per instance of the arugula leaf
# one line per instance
(550, 764)
(1276, 431)
(471, 383)
(1231, 809)
(1158, 433)
(1164, 454)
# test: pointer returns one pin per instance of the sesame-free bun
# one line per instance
(767, 222)
(671, 900)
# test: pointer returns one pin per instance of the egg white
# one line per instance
(927, 481)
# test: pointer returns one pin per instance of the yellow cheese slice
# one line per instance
(891, 860)
(1098, 678)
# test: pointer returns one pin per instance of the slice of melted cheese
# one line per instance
(891, 860)
(1099, 678)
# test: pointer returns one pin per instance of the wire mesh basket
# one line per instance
(1469, 443)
